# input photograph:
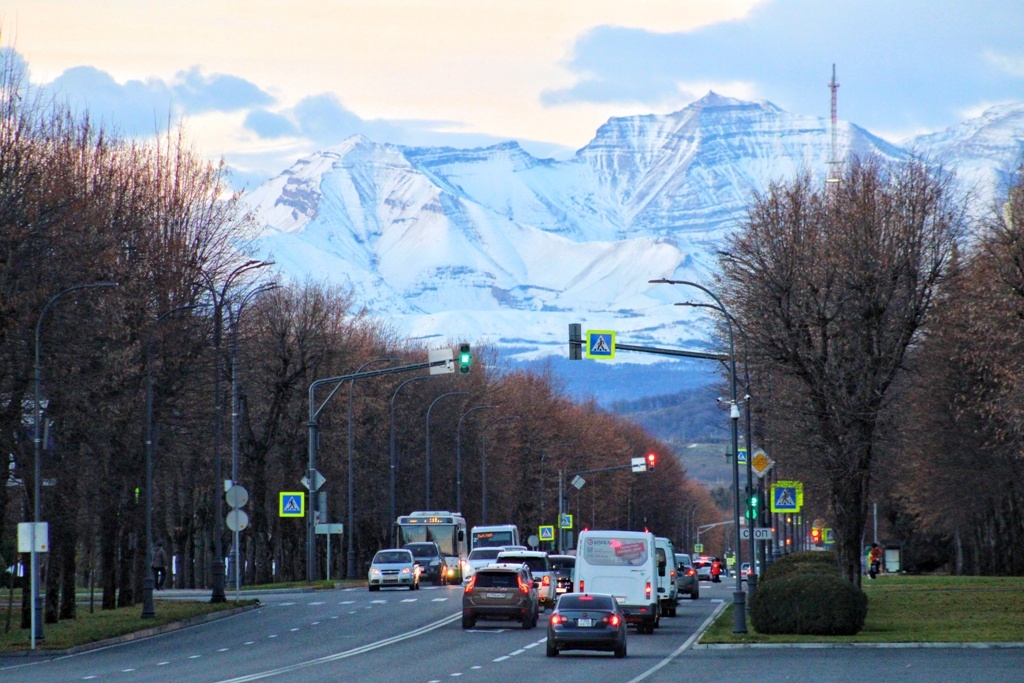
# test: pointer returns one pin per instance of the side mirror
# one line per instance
(462, 535)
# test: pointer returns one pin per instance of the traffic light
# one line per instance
(753, 506)
(464, 358)
(815, 535)
(652, 460)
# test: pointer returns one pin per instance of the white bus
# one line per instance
(493, 536)
(447, 529)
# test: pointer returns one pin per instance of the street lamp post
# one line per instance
(483, 464)
(429, 408)
(37, 436)
(739, 597)
(394, 463)
(350, 569)
(148, 606)
(458, 454)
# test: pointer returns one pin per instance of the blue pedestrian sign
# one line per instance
(784, 499)
(741, 456)
(600, 344)
(292, 504)
(565, 521)
(546, 532)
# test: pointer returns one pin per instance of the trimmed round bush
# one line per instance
(826, 562)
(811, 603)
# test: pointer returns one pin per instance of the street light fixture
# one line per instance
(36, 607)
(429, 408)
(739, 597)
(394, 462)
(148, 606)
(483, 463)
(458, 454)
(350, 568)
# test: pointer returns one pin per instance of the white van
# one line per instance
(622, 564)
(668, 591)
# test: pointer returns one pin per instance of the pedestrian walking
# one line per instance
(159, 566)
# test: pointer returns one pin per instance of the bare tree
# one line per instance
(832, 286)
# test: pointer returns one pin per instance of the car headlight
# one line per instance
(405, 570)
(374, 572)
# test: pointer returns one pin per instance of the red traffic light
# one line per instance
(652, 460)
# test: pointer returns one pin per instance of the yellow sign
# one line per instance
(600, 344)
(547, 532)
(292, 504)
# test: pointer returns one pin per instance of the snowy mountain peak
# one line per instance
(492, 244)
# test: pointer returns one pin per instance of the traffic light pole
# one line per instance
(314, 412)
(561, 494)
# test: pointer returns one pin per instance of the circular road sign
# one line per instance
(237, 520)
(237, 496)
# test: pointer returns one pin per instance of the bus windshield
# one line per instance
(442, 534)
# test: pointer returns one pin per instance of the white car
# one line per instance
(393, 568)
(481, 557)
(540, 566)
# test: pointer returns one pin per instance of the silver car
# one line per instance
(395, 567)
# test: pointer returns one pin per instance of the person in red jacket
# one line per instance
(716, 570)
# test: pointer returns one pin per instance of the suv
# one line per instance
(686, 576)
(540, 566)
(430, 559)
(500, 592)
(564, 567)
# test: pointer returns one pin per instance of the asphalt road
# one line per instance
(416, 637)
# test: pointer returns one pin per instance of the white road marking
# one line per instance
(679, 650)
(315, 623)
(89, 678)
(451, 619)
(517, 652)
(477, 667)
(379, 602)
(127, 671)
(293, 630)
(162, 663)
(352, 612)
(249, 642)
(317, 603)
(454, 675)
(194, 656)
(272, 635)
(224, 649)
(525, 647)
(286, 604)
(334, 617)
(347, 602)
(410, 600)
(439, 600)
(500, 659)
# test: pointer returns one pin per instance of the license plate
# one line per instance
(495, 595)
(585, 623)
(390, 579)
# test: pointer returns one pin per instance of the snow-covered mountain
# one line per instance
(495, 245)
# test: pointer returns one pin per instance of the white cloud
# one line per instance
(1012, 65)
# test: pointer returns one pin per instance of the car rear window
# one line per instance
(497, 580)
(391, 557)
(585, 602)
(563, 562)
(484, 554)
(616, 552)
(536, 564)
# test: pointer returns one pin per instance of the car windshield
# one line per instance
(425, 550)
(484, 554)
(567, 602)
(536, 564)
(392, 557)
(563, 563)
(497, 580)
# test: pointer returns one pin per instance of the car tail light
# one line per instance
(557, 619)
(647, 590)
(469, 586)
(524, 588)
(672, 573)
(581, 586)
(546, 581)
(612, 620)
(691, 572)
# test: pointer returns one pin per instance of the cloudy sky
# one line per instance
(262, 83)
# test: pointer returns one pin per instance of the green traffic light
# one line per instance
(465, 358)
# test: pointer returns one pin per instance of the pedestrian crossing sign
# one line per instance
(547, 532)
(786, 497)
(292, 504)
(600, 344)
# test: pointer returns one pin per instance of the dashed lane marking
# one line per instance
(500, 659)
(410, 600)
(439, 600)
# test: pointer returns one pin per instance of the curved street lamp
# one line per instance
(350, 568)
(739, 597)
(148, 580)
(429, 408)
(458, 455)
(483, 463)
(37, 435)
(394, 461)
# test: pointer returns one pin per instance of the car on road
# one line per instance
(668, 591)
(393, 568)
(480, 557)
(501, 592)
(703, 567)
(540, 566)
(429, 557)
(745, 570)
(686, 576)
(564, 567)
(586, 621)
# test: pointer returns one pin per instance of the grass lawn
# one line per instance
(89, 628)
(916, 609)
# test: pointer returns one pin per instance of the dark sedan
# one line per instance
(584, 621)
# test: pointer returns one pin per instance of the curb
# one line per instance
(134, 635)
(839, 646)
